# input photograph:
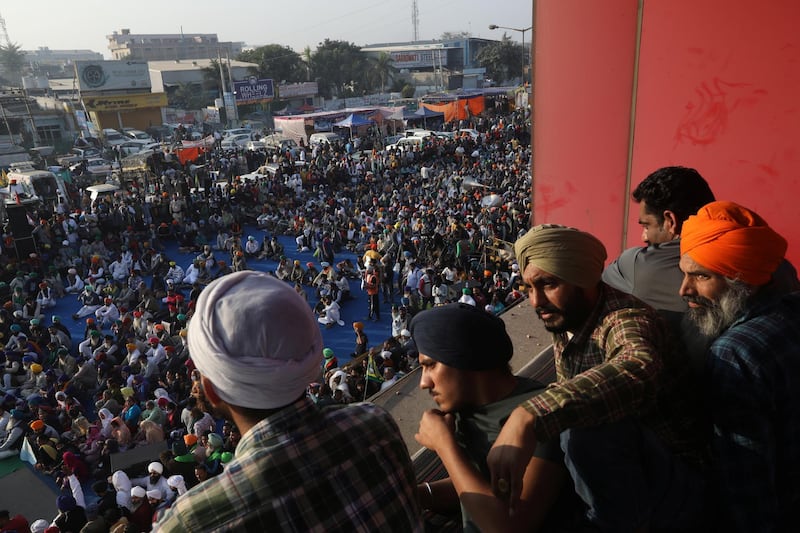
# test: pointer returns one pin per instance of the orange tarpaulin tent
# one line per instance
(459, 109)
(189, 154)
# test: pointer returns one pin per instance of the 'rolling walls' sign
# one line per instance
(253, 91)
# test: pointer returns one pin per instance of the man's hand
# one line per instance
(435, 429)
(510, 455)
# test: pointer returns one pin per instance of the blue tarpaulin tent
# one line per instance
(425, 113)
(352, 121)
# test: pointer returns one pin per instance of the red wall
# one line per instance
(717, 89)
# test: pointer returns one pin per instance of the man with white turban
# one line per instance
(622, 404)
(257, 346)
(744, 302)
(177, 487)
(154, 480)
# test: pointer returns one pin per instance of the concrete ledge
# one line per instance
(130, 460)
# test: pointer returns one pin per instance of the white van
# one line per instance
(40, 185)
(421, 133)
(325, 137)
(406, 143)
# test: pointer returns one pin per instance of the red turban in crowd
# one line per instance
(733, 241)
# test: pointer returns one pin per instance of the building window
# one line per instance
(49, 134)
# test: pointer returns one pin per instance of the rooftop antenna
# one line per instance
(414, 19)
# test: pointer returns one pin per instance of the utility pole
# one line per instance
(233, 93)
(36, 140)
(8, 126)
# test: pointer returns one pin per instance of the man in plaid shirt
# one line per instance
(298, 467)
(622, 404)
(743, 299)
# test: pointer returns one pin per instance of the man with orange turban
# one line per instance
(743, 299)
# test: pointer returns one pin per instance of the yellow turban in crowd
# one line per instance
(575, 256)
(733, 241)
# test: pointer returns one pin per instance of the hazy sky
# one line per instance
(65, 24)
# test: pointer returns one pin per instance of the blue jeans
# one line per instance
(628, 479)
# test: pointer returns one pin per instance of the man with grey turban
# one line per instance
(622, 404)
(257, 346)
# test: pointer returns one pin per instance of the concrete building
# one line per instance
(44, 57)
(448, 64)
(166, 46)
(168, 75)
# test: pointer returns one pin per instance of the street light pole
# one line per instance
(522, 31)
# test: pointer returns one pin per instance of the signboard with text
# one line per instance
(112, 75)
(253, 90)
(298, 90)
(124, 101)
(419, 58)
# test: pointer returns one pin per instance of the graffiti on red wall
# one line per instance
(710, 110)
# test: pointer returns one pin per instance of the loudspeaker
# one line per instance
(18, 222)
(25, 247)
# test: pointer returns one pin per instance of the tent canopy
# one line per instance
(353, 121)
(424, 112)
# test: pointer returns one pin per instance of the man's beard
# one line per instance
(569, 318)
(711, 319)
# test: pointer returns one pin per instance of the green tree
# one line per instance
(455, 35)
(381, 70)
(188, 96)
(12, 60)
(277, 62)
(408, 91)
(211, 81)
(501, 59)
(307, 62)
(340, 68)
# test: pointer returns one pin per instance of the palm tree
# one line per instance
(382, 69)
(211, 81)
(188, 96)
(307, 61)
(12, 60)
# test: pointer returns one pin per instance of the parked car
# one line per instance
(113, 137)
(95, 166)
(236, 131)
(132, 147)
(391, 139)
(264, 171)
(255, 145)
(137, 135)
(76, 155)
(160, 133)
(278, 143)
(406, 143)
(233, 142)
(472, 133)
(325, 137)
